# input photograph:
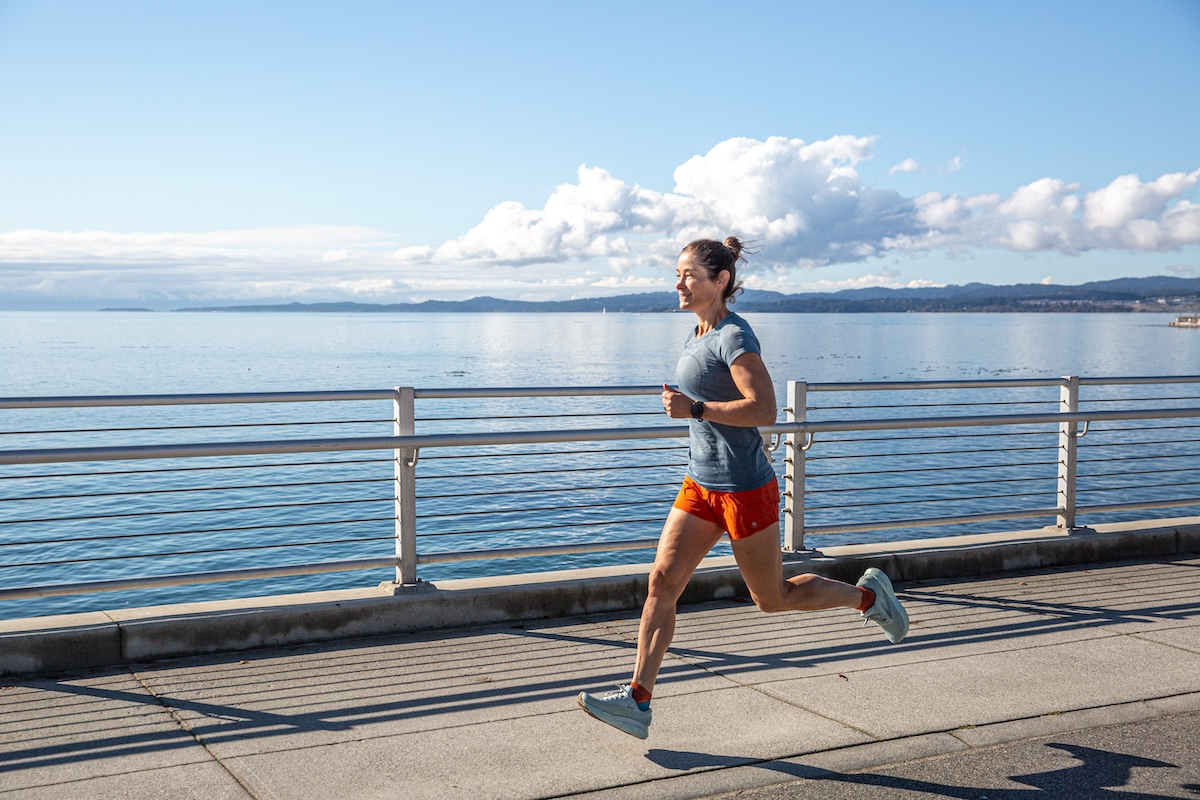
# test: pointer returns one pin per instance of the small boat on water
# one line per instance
(1186, 321)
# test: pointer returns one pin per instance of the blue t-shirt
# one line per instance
(721, 458)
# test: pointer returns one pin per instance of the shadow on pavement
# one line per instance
(1099, 774)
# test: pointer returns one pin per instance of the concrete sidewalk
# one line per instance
(746, 701)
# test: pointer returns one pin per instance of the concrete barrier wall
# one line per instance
(46, 645)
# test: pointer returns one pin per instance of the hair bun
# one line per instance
(735, 246)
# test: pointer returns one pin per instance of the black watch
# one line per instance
(698, 410)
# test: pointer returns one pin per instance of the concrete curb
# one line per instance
(70, 642)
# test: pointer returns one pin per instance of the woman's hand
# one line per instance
(755, 407)
(677, 404)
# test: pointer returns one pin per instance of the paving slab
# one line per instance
(551, 755)
(86, 728)
(208, 781)
(746, 701)
(979, 690)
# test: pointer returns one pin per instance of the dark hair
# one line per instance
(715, 256)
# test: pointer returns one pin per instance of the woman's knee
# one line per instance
(769, 603)
(666, 583)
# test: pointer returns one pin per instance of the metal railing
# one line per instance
(558, 477)
(1055, 433)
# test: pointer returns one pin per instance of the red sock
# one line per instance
(640, 696)
(868, 599)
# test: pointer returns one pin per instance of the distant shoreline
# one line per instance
(1075, 309)
(1159, 294)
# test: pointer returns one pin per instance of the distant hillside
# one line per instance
(1158, 293)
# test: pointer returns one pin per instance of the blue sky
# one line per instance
(168, 154)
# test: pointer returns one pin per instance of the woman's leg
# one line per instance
(760, 561)
(684, 542)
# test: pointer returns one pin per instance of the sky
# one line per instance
(172, 154)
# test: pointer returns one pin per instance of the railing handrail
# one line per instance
(323, 396)
(209, 398)
(499, 438)
(995, 383)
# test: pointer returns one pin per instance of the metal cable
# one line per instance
(1094, 445)
(882, 504)
(168, 470)
(480, 531)
(176, 554)
(930, 453)
(1127, 459)
(990, 481)
(543, 472)
(975, 404)
(499, 511)
(510, 453)
(1128, 487)
(1143, 428)
(571, 489)
(223, 426)
(835, 439)
(909, 470)
(195, 489)
(573, 452)
(197, 531)
(173, 513)
(1099, 400)
(1124, 473)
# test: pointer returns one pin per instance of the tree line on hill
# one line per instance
(1122, 294)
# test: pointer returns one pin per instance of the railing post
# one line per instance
(406, 488)
(793, 472)
(1068, 402)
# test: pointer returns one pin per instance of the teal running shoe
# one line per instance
(886, 612)
(619, 710)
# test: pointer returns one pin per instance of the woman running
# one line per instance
(730, 486)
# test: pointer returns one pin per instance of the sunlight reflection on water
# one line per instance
(126, 353)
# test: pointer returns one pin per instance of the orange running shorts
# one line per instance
(740, 514)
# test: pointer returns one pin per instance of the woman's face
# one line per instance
(697, 291)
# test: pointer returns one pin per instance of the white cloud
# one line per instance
(1052, 215)
(582, 220)
(802, 203)
(793, 282)
(635, 284)
(267, 245)
(907, 165)
(301, 261)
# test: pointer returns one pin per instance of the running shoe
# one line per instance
(619, 710)
(886, 612)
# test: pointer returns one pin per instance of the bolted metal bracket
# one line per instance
(393, 588)
(804, 554)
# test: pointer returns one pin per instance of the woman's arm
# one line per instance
(756, 407)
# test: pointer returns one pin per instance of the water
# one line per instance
(155, 353)
(44, 353)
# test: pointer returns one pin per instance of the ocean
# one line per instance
(94, 535)
(49, 353)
